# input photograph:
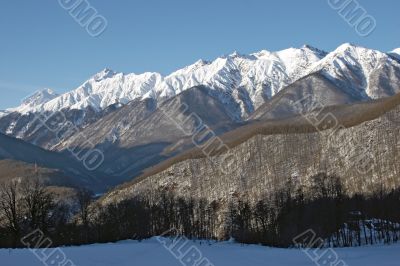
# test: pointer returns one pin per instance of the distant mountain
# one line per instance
(38, 98)
(3, 113)
(395, 53)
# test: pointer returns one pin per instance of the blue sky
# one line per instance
(41, 45)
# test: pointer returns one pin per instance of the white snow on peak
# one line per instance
(104, 74)
(248, 79)
(40, 97)
(103, 90)
(36, 99)
(395, 53)
(3, 113)
(351, 66)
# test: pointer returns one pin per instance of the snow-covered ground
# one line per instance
(153, 253)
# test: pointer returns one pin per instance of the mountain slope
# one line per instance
(363, 152)
(131, 144)
(300, 97)
(25, 153)
(34, 127)
(11, 169)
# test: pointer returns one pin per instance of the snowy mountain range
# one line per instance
(250, 79)
(261, 74)
(122, 114)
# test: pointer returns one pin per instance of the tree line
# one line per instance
(275, 220)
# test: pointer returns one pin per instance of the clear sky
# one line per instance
(41, 45)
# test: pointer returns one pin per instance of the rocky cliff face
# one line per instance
(365, 156)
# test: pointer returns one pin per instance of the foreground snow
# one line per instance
(153, 253)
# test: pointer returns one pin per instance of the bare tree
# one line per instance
(10, 207)
(84, 198)
(38, 203)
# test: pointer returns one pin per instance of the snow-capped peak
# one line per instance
(198, 64)
(395, 53)
(39, 97)
(236, 54)
(262, 53)
(104, 74)
(354, 55)
(36, 99)
(351, 66)
(322, 53)
(307, 46)
(3, 113)
(346, 46)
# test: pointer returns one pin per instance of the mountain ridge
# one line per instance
(261, 74)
